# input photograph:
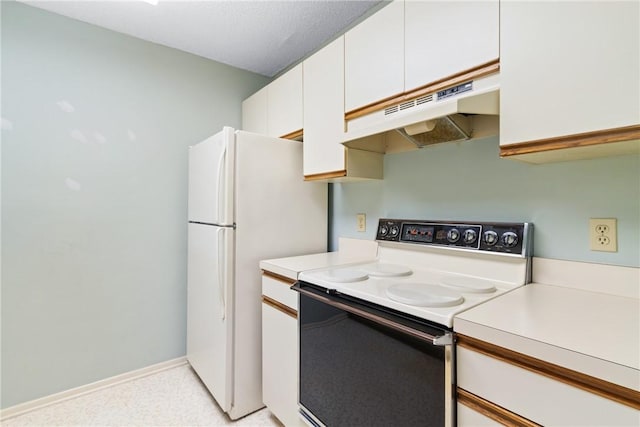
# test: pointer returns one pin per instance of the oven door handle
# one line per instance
(442, 340)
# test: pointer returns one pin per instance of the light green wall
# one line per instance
(468, 181)
(94, 200)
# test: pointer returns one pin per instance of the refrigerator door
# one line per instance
(211, 179)
(209, 308)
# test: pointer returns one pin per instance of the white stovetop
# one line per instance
(430, 269)
(579, 326)
(375, 289)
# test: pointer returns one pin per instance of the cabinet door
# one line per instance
(280, 364)
(443, 38)
(555, 403)
(254, 112)
(374, 57)
(568, 68)
(284, 103)
(324, 110)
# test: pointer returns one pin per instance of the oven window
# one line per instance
(354, 372)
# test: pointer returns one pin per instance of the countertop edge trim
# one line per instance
(287, 280)
(570, 377)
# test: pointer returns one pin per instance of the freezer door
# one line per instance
(209, 303)
(211, 179)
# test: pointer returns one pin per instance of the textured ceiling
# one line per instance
(261, 36)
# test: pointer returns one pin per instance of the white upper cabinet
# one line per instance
(374, 57)
(276, 109)
(324, 110)
(254, 112)
(570, 78)
(443, 38)
(325, 158)
(284, 103)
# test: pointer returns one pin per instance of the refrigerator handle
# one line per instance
(221, 285)
(220, 188)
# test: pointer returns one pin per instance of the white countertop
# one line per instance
(350, 251)
(590, 332)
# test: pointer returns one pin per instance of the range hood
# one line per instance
(461, 112)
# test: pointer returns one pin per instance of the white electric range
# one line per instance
(376, 339)
(434, 270)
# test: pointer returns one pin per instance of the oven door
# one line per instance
(365, 365)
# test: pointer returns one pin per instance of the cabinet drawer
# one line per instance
(536, 397)
(467, 417)
(278, 289)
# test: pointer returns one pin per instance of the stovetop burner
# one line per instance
(343, 275)
(468, 284)
(424, 295)
(386, 270)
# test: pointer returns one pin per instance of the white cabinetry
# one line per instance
(519, 389)
(471, 417)
(570, 79)
(280, 349)
(276, 109)
(408, 51)
(324, 156)
(443, 38)
(374, 57)
(284, 103)
(254, 112)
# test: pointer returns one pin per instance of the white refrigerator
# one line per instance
(247, 201)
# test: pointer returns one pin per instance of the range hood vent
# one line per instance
(408, 104)
(457, 113)
(443, 129)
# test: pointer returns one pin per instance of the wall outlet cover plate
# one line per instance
(603, 234)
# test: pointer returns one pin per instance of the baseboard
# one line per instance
(23, 408)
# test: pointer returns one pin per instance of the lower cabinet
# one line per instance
(498, 385)
(472, 416)
(280, 349)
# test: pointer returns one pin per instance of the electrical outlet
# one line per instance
(603, 234)
(361, 220)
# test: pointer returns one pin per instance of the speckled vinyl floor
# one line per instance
(174, 397)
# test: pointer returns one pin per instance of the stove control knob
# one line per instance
(383, 230)
(509, 239)
(469, 236)
(453, 235)
(394, 230)
(490, 237)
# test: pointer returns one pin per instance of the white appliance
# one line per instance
(247, 202)
(390, 321)
(443, 115)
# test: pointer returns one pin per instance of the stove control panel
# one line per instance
(499, 237)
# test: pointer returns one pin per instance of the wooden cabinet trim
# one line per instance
(586, 139)
(286, 280)
(491, 410)
(325, 175)
(491, 67)
(298, 134)
(280, 306)
(582, 381)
